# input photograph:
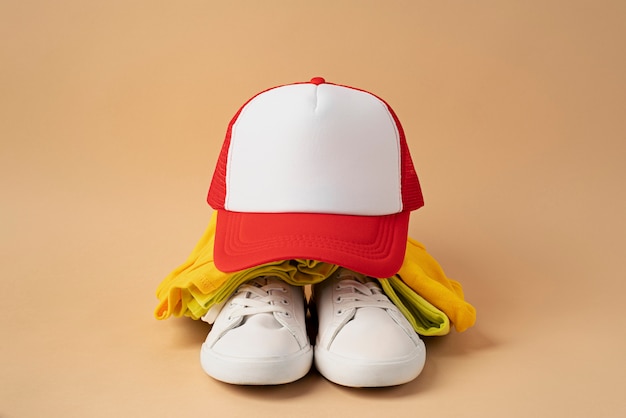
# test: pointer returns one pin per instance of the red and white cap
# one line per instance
(315, 171)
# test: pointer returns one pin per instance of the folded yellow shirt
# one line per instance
(420, 289)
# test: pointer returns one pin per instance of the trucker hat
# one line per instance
(314, 170)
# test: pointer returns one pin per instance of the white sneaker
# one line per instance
(363, 339)
(259, 336)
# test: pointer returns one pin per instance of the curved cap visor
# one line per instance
(371, 245)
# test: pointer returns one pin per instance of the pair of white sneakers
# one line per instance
(259, 334)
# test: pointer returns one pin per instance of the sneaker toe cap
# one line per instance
(374, 335)
(259, 336)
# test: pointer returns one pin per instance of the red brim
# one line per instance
(371, 245)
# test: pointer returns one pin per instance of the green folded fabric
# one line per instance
(425, 295)
(425, 318)
(294, 272)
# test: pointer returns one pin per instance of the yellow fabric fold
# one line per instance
(421, 272)
(421, 290)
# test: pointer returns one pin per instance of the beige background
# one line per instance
(112, 114)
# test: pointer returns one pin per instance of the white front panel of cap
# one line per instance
(314, 148)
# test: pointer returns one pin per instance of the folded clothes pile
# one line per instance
(430, 300)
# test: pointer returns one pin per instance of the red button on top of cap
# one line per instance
(318, 80)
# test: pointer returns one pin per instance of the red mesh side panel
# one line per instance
(412, 198)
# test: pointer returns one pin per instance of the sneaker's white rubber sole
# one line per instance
(354, 372)
(254, 371)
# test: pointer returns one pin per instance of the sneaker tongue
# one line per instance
(263, 320)
(370, 316)
(344, 273)
(259, 281)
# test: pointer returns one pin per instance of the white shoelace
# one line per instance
(259, 296)
(255, 296)
(352, 293)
